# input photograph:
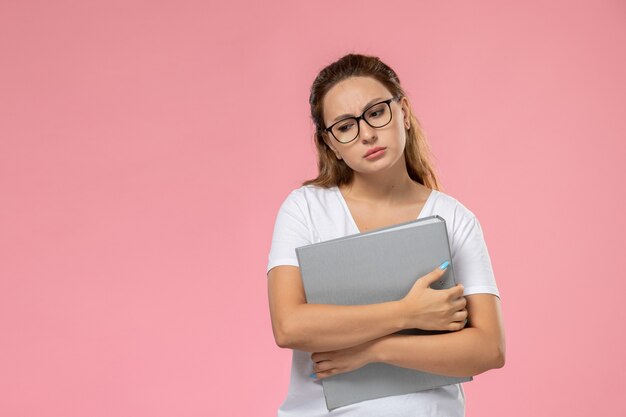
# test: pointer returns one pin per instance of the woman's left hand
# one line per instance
(343, 360)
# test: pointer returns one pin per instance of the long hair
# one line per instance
(334, 172)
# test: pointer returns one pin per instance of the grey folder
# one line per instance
(374, 267)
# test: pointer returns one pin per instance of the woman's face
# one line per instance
(351, 97)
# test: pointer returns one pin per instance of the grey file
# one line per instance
(374, 267)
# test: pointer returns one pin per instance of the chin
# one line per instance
(383, 166)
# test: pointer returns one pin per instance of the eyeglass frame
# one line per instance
(361, 117)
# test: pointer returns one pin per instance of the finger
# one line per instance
(455, 292)
(326, 374)
(459, 315)
(433, 275)
(323, 366)
(458, 303)
(460, 325)
(319, 356)
(456, 325)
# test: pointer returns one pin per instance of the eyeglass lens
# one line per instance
(376, 116)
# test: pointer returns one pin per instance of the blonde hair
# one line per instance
(335, 172)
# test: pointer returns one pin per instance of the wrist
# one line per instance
(376, 350)
(400, 321)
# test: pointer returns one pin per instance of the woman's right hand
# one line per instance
(428, 309)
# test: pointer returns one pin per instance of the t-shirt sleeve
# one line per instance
(470, 258)
(291, 230)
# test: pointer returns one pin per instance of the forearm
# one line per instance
(466, 352)
(325, 327)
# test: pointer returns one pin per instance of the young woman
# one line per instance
(375, 171)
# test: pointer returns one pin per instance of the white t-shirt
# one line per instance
(312, 214)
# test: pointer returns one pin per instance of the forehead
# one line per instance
(350, 96)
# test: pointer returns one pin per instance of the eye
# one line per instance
(344, 127)
(377, 111)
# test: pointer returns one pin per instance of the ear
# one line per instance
(406, 111)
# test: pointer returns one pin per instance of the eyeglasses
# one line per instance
(377, 115)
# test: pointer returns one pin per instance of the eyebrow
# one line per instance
(369, 103)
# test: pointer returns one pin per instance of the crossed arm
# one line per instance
(478, 347)
(344, 338)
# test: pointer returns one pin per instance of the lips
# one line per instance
(371, 151)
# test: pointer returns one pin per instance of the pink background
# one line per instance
(146, 147)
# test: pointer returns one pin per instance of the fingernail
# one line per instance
(444, 265)
(312, 375)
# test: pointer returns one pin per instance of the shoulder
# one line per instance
(320, 208)
(308, 196)
(461, 221)
(452, 207)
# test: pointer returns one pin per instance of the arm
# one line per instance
(470, 351)
(325, 327)
(315, 327)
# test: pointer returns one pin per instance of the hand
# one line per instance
(429, 309)
(342, 360)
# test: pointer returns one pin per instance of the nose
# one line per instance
(366, 132)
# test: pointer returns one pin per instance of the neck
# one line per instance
(386, 186)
